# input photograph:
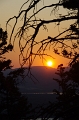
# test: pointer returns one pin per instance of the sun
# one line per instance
(49, 63)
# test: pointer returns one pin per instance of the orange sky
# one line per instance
(9, 9)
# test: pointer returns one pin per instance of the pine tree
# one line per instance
(13, 106)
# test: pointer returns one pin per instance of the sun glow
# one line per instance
(49, 63)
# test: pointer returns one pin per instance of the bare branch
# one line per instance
(35, 23)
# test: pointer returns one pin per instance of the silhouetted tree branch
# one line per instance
(35, 23)
(65, 43)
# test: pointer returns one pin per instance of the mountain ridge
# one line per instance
(39, 79)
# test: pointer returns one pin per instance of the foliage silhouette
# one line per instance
(59, 43)
(68, 97)
(66, 106)
(65, 43)
(12, 104)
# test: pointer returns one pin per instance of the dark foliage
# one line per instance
(13, 106)
(68, 96)
(71, 4)
(67, 106)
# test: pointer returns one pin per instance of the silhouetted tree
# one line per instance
(65, 43)
(13, 106)
(66, 105)
(68, 96)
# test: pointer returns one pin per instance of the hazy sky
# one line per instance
(9, 8)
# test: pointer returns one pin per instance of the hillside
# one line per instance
(41, 81)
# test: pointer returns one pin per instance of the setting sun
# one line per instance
(49, 63)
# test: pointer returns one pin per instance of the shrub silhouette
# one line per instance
(13, 106)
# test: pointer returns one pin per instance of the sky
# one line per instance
(10, 8)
